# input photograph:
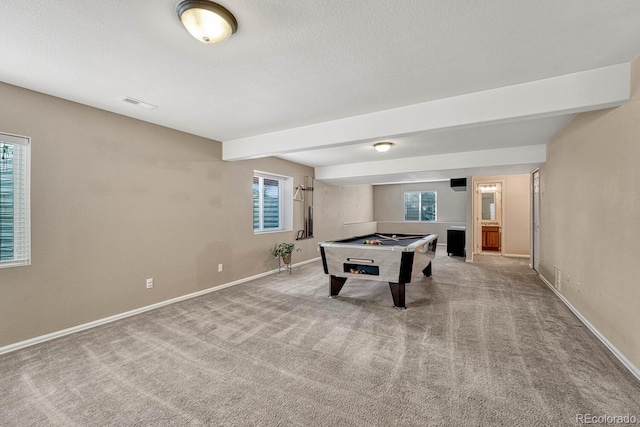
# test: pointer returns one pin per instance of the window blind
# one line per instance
(412, 206)
(267, 202)
(15, 235)
(271, 204)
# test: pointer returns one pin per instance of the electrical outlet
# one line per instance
(219, 268)
(568, 280)
(558, 278)
(149, 283)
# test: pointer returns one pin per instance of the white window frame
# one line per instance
(419, 193)
(22, 199)
(285, 198)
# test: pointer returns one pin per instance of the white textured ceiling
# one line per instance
(298, 63)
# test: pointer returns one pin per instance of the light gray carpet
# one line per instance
(479, 344)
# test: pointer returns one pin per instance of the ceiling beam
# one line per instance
(568, 94)
(527, 155)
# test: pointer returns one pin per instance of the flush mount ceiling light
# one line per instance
(207, 21)
(382, 147)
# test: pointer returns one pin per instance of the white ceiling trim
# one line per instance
(571, 93)
(532, 154)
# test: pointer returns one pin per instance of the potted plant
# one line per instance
(284, 250)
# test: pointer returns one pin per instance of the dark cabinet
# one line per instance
(456, 241)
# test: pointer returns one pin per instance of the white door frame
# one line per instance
(477, 213)
(535, 220)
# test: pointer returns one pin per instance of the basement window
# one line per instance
(272, 202)
(15, 224)
(420, 206)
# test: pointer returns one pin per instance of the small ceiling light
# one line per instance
(382, 147)
(207, 21)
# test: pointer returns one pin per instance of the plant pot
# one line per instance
(286, 258)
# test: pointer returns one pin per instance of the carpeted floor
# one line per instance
(479, 344)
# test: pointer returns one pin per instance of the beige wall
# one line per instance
(388, 208)
(516, 207)
(346, 211)
(590, 210)
(115, 201)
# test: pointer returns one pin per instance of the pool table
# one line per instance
(392, 258)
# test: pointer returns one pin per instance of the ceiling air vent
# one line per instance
(137, 102)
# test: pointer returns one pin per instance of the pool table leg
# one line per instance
(336, 284)
(427, 270)
(397, 292)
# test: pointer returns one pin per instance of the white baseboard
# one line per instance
(621, 357)
(516, 255)
(93, 324)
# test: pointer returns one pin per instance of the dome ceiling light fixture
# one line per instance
(382, 147)
(207, 21)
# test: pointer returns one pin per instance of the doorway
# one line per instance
(488, 218)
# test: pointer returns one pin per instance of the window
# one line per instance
(15, 241)
(272, 202)
(420, 206)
